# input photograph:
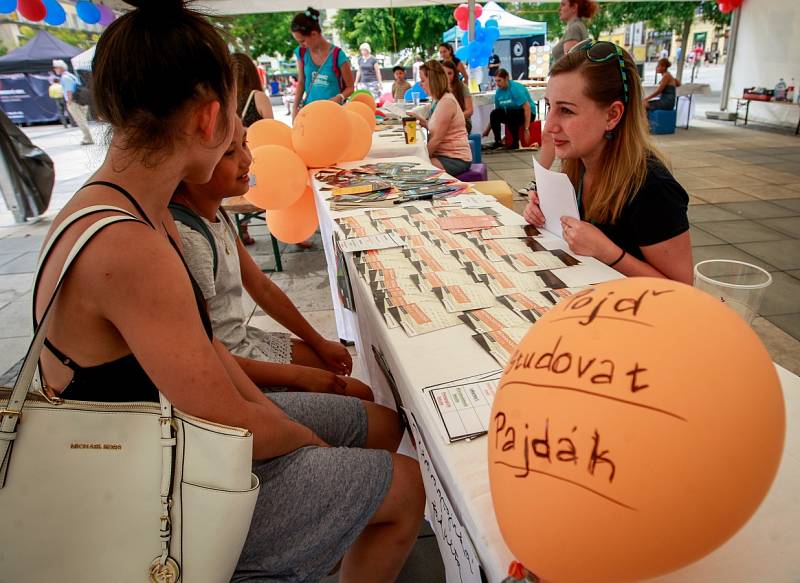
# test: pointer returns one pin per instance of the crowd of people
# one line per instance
(166, 316)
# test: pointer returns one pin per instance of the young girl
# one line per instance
(269, 359)
(446, 53)
(129, 323)
(633, 211)
(323, 70)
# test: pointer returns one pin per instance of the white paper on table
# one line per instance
(382, 241)
(556, 198)
(474, 201)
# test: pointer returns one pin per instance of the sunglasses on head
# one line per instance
(601, 52)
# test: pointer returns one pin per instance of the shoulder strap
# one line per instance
(9, 416)
(247, 103)
(195, 222)
(302, 62)
(336, 70)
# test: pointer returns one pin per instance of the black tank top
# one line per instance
(250, 114)
(122, 379)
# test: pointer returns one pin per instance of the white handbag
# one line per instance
(116, 492)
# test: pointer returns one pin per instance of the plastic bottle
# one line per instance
(780, 90)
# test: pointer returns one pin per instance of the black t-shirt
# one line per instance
(494, 62)
(655, 214)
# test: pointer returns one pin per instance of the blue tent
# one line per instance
(36, 56)
(510, 26)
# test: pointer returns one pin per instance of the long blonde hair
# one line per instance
(437, 79)
(624, 157)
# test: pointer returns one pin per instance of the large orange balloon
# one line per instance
(362, 110)
(638, 426)
(360, 139)
(269, 131)
(296, 223)
(278, 177)
(365, 98)
(320, 133)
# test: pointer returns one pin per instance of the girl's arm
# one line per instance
(468, 109)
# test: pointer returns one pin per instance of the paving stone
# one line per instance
(756, 210)
(742, 231)
(783, 254)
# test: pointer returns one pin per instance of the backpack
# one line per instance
(81, 95)
(336, 70)
(196, 223)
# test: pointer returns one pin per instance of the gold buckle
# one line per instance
(10, 413)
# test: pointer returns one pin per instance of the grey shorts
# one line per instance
(315, 501)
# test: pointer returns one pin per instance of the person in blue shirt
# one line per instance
(323, 70)
(77, 112)
(514, 107)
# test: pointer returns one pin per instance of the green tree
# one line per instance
(77, 38)
(3, 49)
(389, 30)
(544, 12)
(261, 34)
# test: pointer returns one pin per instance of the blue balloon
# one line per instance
(492, 24)
(463, 53)
(409, 95)
(55, 13)
(7, 6)
(480, 35)
(474, 50)
(474, 62)
(478, 25)
(465, 38)
(88, 12)
(492, 34)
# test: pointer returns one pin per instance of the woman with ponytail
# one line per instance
(130, 323)
(575, 13)
(633, 212)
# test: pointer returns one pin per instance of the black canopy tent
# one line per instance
(25, 78)
(36, 56)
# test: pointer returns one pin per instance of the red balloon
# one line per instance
(461, 13)
(478, 10)
(463, 24)
(33, 10)
(724, 7)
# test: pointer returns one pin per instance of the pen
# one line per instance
(428, 196)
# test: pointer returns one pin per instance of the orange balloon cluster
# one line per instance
(365, 98)
(360, 138)
(364, 111)
(321, 133)
(637, 426)
(269, 131)
(296, 223)
(277, 177)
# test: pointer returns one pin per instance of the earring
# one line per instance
(609, 135)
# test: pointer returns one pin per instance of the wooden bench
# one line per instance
(243, 210)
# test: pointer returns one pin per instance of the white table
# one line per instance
(766, 549)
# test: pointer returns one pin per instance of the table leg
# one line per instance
(277, 253)
(797, 129)
(746, 111)
(689, 113)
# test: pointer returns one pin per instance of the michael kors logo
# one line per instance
(101, 446)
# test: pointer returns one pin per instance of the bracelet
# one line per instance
(613, 263)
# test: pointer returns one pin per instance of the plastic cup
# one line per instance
(415, 97)
(738, 284)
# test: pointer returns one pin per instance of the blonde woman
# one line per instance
(448, 143)
(633, 212)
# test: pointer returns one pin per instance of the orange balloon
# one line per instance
(360, 139)
(296, 223)
(365, 98)
(277, 177)
(320, 133)
(269, 131)
(364, 111)
(637, 426)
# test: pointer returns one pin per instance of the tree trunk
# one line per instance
(685, 48)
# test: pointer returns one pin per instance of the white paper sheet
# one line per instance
(383, 241)
(556, 198)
